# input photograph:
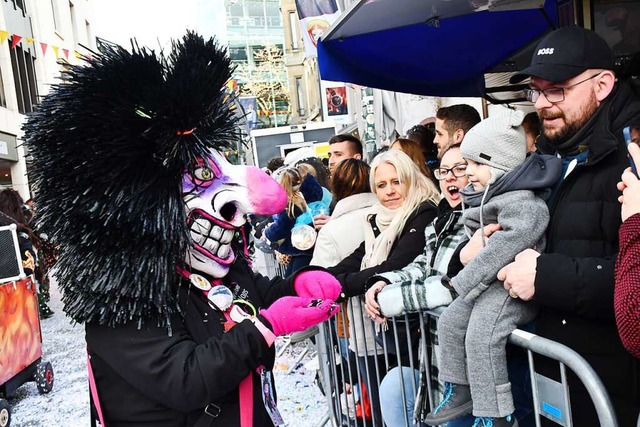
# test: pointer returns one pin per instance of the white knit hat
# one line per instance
(498, 141)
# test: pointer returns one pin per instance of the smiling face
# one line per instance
(451, 184)
(388, 188)
(217, 197)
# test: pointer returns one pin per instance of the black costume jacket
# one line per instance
(147, 378)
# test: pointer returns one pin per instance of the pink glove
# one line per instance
(317, 284)
(294, 314)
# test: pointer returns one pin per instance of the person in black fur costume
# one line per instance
(132, 186)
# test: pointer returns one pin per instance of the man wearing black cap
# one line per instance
(583, 109)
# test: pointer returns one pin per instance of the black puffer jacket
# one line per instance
(147, 378)
(575, 275)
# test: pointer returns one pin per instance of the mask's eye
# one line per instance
(203, 174)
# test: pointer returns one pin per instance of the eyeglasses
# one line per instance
(554, 94)
(458, 171)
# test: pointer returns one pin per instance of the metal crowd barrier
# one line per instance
(267, 265)
(550, 397)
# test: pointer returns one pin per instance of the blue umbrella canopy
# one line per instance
(431, 47)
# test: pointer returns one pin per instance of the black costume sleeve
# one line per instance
(272, 289)
(174, 370)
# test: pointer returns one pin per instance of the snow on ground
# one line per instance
(299, 400)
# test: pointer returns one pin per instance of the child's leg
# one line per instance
(452, 328)
(494, 317)
(456, 401)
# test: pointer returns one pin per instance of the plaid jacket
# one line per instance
(417, 287)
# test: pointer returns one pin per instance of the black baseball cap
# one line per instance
(565, 53)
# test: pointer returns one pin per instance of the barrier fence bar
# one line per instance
(550, 398)
(567, 357)
(338, 367)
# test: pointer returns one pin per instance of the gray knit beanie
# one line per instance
(498, 141)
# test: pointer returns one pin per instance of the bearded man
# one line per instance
(583, 109)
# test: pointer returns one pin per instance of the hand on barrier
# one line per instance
(371, 307)
(294, 314)
(317, 284)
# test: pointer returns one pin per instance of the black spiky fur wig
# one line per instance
(110, 145)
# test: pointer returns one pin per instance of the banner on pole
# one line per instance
(316, 16)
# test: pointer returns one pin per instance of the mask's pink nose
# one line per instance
(267, 197)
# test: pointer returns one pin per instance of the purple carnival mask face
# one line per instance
(217, 197)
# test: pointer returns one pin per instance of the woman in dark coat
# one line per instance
(394, 236)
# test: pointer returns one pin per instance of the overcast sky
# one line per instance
(157, 21)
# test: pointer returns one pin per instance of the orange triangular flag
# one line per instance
(55, 50)
(3, 36)
(66, 53)
(44, 47)
(15, 39)
(29, 39)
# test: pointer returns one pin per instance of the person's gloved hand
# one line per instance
(295, 314)
(317, 284)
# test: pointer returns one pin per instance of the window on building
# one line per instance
(293, 26)
(88, 33)
(3, 97)
(24, 75)
(238, 53)
(74, 26)
(300, 92)
(56, 15)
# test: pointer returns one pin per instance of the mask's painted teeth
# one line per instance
(211, 245)
(211, 237)
(224, 251)
(216, 233)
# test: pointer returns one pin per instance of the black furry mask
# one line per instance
(110, 145)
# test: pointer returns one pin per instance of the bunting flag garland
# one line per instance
(16, 39)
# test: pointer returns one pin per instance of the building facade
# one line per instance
(303, 75)
(256, 43)
(38, 38)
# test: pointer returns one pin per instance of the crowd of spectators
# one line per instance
(408, 252)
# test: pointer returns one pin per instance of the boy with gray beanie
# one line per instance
(506, 187)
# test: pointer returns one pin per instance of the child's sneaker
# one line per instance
(508, 421)
(455, 404)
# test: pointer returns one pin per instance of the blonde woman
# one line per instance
(393, 237)
(299, 193)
